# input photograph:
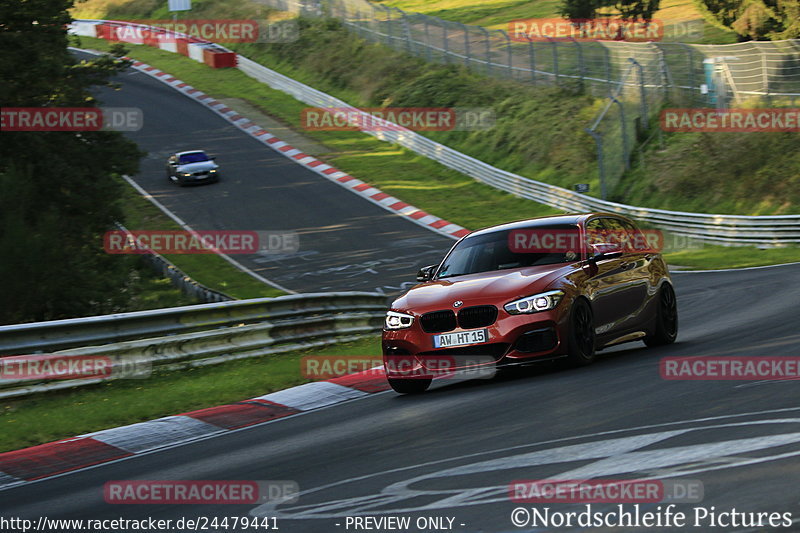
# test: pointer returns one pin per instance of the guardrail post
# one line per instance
(601, 171)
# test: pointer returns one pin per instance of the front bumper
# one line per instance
(513, 340)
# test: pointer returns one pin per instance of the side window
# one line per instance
(622, 233)
(641, 242)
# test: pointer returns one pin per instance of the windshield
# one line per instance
(491, 251)
(193, 157)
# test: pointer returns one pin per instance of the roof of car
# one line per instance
(543, 221)
(190, 152)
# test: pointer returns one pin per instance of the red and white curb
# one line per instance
(365, 190)
(46, 460)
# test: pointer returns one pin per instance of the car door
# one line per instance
(606, 284)
(637, 265)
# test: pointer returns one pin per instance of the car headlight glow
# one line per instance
(213, 170)
(395, 320)
(534, 304)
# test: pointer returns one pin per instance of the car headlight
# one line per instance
(534, 304)
(186, 174)
(396, 320)
(213, 170)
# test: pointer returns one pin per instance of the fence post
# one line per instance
(642, 94)
(765, 72)
(488, 50)
(428, 44)
(510, 52)
(532, 56)
(466, 44)
(406, 29)
(607, 56)
(444, 42)
(555, 58)
(690, 64)
(581, 66)
(625, 147)
(601, 171)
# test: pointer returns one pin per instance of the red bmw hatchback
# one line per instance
(533, 290)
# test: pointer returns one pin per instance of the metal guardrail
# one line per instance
(775, 230)
(723, 229)
(188, 286)
(197, 335)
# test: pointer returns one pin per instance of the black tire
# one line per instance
(409, 386)
(581, 334)
(665, 330)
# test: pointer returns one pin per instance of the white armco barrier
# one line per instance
(84, 28)
(131, 34)
(167, 42)
(196, 51)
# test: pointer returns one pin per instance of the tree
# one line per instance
(755, 19)
(58, 194)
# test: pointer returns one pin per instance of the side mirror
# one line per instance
(214, 158)
(426, 273)
(604, 250)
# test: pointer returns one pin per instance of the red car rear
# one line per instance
(551, 287)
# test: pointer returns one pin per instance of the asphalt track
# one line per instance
(453, 451)
(346, 243)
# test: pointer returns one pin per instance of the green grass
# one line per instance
(208, 269)
(713, 257)
(43, 418)
(431, 187)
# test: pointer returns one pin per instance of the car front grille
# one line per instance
(478, 316)
(438, 321)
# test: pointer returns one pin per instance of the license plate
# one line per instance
(461, 338)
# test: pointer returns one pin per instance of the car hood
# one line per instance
(200, 166)
(497, 288)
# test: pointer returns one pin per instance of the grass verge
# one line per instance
(410, 177)
(209, 269)
(43, 418)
